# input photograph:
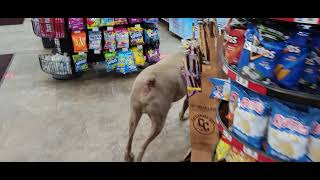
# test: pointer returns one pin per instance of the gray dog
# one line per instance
(153, 92)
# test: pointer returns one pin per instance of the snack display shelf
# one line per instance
(270, 90)
(256, 154)
(300, 20)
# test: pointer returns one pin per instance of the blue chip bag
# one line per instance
(235, 90)
(309, 76)
(259, 55)
(291, 64)
(220, 89)
(80, 62)
(126, 62)
(251, 118)
(288, 133)
(111, 61)
(314, 140)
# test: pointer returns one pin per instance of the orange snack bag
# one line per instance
(79, 41)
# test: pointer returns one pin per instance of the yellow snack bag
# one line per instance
(222, 150)
(138, 56)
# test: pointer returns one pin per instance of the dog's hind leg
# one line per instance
(157, 124)
(135, 116)
(184, 108)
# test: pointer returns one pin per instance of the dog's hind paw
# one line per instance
(129, 157)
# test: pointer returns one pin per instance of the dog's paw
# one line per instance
(129, 157)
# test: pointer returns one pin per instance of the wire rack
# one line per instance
(53, 28)
(54, 67)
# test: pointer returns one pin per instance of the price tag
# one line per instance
(96, 51)
(76, 31)
(225, 69)
(137, 26)
(95, 29)
(81, 53)
(250, 152)
(124, 49)
(227, 135)
(110, 28)
(242, 81)
(307, 20)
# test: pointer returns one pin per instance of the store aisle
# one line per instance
(84, 119)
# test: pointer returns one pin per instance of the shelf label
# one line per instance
(225, 69)
(242, 81)
(124, 49)
(307, 20)
(137, 26)
(109, 28)
(250, 152)
(95, 29)
(76, 31)
(96, 51)
(227, 135)
(81, 53)
(140, 47)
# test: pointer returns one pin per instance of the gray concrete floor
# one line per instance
(85, 119)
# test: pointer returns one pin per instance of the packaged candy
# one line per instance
(111, 61)
(122, 37)
(93, 23)
(236, 155)
(291, 63)
(153, 55)
(221, 88)
(76, 24)
(79, 41)
(126, 63)
(151, 36)
(234, 100)
(251, 118)
(95, 40)
(233, 40)
(136, 36)
(134, 20)
(150, 20)
(222, 149)
(109, 40)
(309, 76)
(107, 22)
(259, 55)
(288, 133)
(120, 21)
(80, 62)
(138, 56)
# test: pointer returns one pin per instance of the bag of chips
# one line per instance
(222, 149)
(76, 24)
(234, 100)
(259, 55)
(314, 141)
(80, 62)
(291, 63)
(234, 40)
(136, 36)
(120, 21)
(93, 23)
(309, 76)
(151, 36)
(111, 61)
(134, 20)
(79, 41)
(235, 155)
(150, 20)
(138, 56)
(126, 63)
(288, 133)
(109, 40)
(122, 37)
(95, 40)
(251, 118)
(153, 55)
(107, 22)
(220, 88)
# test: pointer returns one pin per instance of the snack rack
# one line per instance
(270, 90)
(57, 29)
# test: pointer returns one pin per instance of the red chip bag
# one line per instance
(233, 43)
(79, 41)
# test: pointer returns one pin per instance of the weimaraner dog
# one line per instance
(153, 92)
